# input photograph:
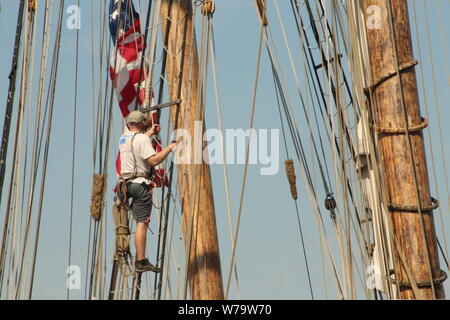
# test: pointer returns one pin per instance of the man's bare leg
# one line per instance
(140, 239)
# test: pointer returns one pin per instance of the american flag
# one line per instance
(126, 58)
(125, 68)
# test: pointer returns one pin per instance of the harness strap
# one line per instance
(128, 176)
(134, 156)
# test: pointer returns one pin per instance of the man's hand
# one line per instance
(155, 129)
(174, 144)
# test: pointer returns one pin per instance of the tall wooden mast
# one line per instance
(395, 102)
(204, 270)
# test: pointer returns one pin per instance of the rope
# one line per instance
(255, 90)
(52, 93)
(97, 197)
(290, 173)
(430, 141)
(7, 125)
(73, 151)
(225, 167)
(296, 137)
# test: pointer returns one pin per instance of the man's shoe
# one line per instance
(145, 265)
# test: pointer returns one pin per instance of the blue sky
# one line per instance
(269, 259)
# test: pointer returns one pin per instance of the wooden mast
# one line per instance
(205, 278)
(395, 99)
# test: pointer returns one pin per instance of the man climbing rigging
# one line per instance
(137, 160)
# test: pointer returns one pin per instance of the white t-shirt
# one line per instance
(143, 150)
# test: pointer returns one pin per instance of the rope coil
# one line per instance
(290, 173)
(97, 198)
(121, 221)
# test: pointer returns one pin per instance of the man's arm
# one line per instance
(160, 156)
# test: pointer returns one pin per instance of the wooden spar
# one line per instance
(205, 277)
(390, 51)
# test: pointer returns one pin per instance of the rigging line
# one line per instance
(305, 170)
(324, 63)
(437, 102)
(87, 260)
(341, 126)
(300, 94)
(96, 238)
(430, 141)
(409, 142)
(47, 25)
(332, 38)
(28, 50)
(93, 79)
(443, 253)
(99, 118)
(102, 109)
(106, 155)
(165, 53)
(10, 96)
(99, 129)
(170, 245)
(7, 121)
(300, 26)
(175, 124)
(336, 143)
(314, 108)
(166, 221)
(220, 121)
(52, 93)
(337, 225)
(15, 171)
(73, 150)
(361, 78)
(443, 41)
(281, 116)
(26, 161)
(278, 85)
(292, 132)
(15, 175)
(151, 60)
(304, 250)
(296, 204)
(255, 90)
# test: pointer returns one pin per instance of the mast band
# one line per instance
(406, 208)
(412, 129)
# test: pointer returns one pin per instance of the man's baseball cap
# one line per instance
(135, 117)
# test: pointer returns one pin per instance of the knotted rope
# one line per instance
(97, 197)
(290, 172)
